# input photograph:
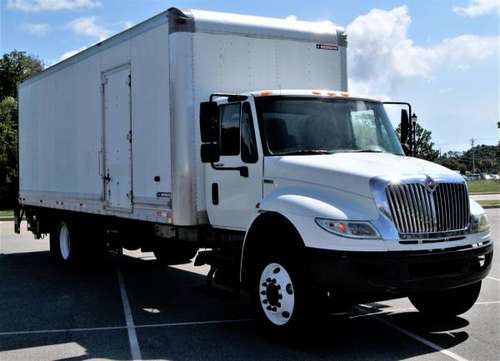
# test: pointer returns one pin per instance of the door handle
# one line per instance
(243, 170)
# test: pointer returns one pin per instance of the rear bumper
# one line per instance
(399, 273)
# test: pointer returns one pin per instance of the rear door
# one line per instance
(117, 139)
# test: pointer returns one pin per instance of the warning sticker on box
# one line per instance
(327, 46)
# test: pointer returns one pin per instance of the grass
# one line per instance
(6, 213)
(490, 202)
(484, 186)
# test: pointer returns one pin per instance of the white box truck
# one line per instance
(237, 134)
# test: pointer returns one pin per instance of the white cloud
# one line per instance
(381, 54)
(51, 5)
(478, 8)
(87, 26)
(36, 29)
(69, 54)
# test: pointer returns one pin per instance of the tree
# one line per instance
(15, 67)
(8, 151)
(424, 147)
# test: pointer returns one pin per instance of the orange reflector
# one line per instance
(342, 227)
(266, 93)
(332, 94)
(316, 92)
(344, 94)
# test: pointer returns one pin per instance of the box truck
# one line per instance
(237, 135)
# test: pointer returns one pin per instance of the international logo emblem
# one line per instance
(430, 184)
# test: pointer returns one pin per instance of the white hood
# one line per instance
(349, 172)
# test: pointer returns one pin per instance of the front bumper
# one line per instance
(399, 273)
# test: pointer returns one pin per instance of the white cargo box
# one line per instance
(114, 129)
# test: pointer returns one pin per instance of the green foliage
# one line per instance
(424, 147)
(484, 186)
(14, 68)
(486, 159)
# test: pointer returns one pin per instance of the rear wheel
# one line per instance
(447, 303)
(64, 243)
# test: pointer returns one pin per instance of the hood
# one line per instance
(350, 172)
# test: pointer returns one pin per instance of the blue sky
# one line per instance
(441, 55)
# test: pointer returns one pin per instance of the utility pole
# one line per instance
(472, 141)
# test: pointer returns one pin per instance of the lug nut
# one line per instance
(268, 280)
(264, 302)
(285, 314)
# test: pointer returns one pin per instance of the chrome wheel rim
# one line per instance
(277, 294)
(64, 241)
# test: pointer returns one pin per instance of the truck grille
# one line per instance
(418, 211)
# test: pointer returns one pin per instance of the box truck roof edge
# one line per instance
(213, 22)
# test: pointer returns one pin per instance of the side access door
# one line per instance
(234, 184)
(116, 85)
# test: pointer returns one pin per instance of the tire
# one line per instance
(175, 254)
(282, 298)
(65, 245)
(447, 303)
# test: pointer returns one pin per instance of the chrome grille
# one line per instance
(418, 211)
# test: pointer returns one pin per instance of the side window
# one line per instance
(229, 116)
(248, 143)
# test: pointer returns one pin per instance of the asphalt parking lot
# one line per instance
(133, 307)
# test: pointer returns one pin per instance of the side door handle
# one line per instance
(243, 170)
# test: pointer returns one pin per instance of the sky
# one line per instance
(440, 55)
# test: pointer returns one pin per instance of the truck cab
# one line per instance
(320, 183)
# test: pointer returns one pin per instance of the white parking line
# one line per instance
(493, 278)
(135, 350)
(417, 337)
(111, 328)
(194, 323)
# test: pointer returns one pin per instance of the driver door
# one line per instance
(234, 184)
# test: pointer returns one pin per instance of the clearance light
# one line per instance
(344, 94)
(332, 94)
(316, 92)
(266, 93)
(349, 229)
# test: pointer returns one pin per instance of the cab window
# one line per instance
(248, 142)
(229, 116)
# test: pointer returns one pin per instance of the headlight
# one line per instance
(480, 223)
(352, 229)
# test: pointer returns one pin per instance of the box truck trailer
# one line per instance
(237, 135)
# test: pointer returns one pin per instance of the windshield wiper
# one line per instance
(307, 152)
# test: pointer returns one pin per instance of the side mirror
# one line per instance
(210, 153)
(405, 126)
(209, 129)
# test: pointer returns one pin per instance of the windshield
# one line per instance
(305, 125)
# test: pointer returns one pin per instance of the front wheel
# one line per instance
(447, 303)
(282, 298)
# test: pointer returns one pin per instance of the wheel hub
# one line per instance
(276, 294)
